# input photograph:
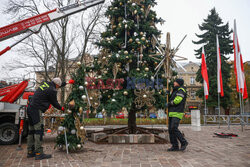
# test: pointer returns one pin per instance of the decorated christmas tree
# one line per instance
(72, 129)
(123, 75)
(125, 68)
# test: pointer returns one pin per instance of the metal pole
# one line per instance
(241, 110)
(205, 111)
(66, 141)
(219, 108)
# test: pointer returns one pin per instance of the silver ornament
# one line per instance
(60, 128)
(84, 97)
(81, 87)
(73, 131)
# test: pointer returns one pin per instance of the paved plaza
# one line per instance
(204, 150)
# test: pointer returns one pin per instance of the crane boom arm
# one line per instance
(34, 24)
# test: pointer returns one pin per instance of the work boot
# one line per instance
(42, 156)
(173, 149)
(183, 146)
(31, 154)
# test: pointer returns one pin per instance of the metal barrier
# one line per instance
(228, 119)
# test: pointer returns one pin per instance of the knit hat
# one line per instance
(179, 81)
(57, 81)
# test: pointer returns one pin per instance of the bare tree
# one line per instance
(59, 42)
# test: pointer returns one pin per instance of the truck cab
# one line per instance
(12, 111)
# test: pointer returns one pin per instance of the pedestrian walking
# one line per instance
(176, 107)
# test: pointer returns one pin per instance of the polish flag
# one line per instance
(238, 66)
(204, 74)
(219, 75)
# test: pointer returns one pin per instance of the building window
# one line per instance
(193, 93)
(192, 81)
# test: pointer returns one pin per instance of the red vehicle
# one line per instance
(13, 101)
(120, 115)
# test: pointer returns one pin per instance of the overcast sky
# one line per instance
(182, 17)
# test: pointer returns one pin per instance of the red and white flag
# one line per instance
(238, 66)
(219, 75)
(204, 74)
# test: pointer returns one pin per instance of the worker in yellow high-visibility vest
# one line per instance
(176, 107)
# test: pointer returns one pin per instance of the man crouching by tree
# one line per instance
(176, 111)
(45, 95)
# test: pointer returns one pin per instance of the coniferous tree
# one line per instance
(211, 26)
(126, 47)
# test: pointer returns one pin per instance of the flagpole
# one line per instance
(240, 111)
(219, 108)
(205, 121)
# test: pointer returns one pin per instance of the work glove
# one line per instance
(168, 105)
(62, 109)
(63, 84)
(171, 103)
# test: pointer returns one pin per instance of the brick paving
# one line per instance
(204, 150)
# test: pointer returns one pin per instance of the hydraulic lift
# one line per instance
(34, 24)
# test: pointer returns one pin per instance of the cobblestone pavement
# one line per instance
(204, 150)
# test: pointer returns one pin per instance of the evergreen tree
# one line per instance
(126, 49)
(211, 26)
(73, 123)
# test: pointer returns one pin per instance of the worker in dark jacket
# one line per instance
(45, 95)
(176, 107)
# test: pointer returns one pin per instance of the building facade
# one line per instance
(190, 83)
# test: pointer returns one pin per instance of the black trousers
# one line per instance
(174, 132)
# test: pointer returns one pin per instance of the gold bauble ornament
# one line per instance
(90, 98)
(142, 9)
(120, 3)
(81, 128)
(127, 57)
(105, 72)
(80, 110)
(79, 63)
(130, 40)
(162, 75)
(130, 61)
(120, 25)
(69, 111)
(116, 34)
(86, 83)
(141, 33)
(109, 96)
(137, 69)
(143, 38)
(135, 11)
(79, 146)
(125, 93)
(144, 96)
(119, 19)
(125, 52)
(72, 103)
(104, 58)
(109, 56)
(114, 26)
(146, 69)
(139, 42)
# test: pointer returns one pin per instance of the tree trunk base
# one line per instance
(137, 131)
